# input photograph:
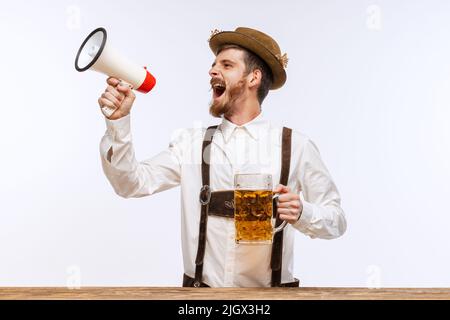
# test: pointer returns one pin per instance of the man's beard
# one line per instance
(224, 105)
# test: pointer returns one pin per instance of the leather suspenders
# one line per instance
(222, 207)
(277, 245)
(205, 197)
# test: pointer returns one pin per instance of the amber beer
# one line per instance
(253, 215)
(253, 209)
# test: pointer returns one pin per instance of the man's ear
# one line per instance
(255, 78)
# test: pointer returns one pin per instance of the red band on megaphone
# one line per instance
(148, 83)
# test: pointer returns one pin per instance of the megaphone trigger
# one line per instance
(124, 83)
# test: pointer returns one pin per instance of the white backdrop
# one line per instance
(368, 81)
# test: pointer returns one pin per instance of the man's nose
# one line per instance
(213, 72)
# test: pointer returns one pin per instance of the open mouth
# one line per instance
(218, 90)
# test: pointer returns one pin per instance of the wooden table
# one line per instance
(173, 293)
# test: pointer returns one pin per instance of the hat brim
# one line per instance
(243, 40)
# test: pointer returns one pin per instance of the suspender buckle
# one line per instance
(205, 194)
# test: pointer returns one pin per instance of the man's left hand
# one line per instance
(290, 206)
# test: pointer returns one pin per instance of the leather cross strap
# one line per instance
(204, 197)
(222, 204)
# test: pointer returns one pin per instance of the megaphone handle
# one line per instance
(107, 112)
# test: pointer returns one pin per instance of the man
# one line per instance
(248, 64)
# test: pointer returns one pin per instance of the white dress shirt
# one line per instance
(254, 147)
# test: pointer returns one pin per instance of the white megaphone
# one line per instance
(96, 54)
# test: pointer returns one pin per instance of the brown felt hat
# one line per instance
(259, 43)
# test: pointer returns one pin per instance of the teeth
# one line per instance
(218, 85)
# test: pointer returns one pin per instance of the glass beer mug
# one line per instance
(253, 209)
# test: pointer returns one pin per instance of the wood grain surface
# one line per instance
(174, 293)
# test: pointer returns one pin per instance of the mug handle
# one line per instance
(275, 209)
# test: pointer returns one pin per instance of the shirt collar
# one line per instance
(252, 127)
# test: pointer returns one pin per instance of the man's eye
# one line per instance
(227, 65)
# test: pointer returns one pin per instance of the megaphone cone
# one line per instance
(97, 54)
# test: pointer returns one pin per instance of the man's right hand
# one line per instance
(117, 96)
